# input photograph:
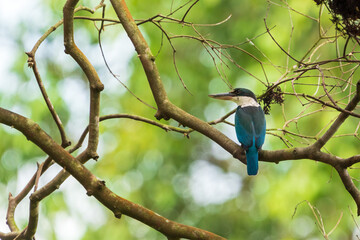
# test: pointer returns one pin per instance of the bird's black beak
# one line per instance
(223, 96)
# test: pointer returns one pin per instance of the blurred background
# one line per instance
(192, 181)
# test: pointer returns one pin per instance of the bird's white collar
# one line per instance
(244, 101)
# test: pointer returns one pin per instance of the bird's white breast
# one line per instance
(244, 101)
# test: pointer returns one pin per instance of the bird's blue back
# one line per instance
(250, 129)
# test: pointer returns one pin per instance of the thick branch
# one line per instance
(74, 51)
(33, 219)
(144, 53)
(94, 123)
(299, 153)
(95, 84)
(8, 236)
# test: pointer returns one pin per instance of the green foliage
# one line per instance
(152, 167)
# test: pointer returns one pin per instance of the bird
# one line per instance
(250, 124)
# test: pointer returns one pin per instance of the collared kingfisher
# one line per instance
(250, 124)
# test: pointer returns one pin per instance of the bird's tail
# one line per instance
(252, 160)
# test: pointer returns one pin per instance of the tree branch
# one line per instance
(74, 51)
(8, 236)
(95, 84)
(350, 186)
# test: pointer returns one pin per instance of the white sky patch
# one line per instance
(210, 185)
(219, 152)
(215, 110)
(67, 227)
(118, 54)
(3, 202)
(302, 226)
(76, 96)
(29, 13)
(83, 209)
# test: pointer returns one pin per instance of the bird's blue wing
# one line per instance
(260, 127)
(250, 121)
(244, 127)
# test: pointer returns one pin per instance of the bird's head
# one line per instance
(241, 96)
